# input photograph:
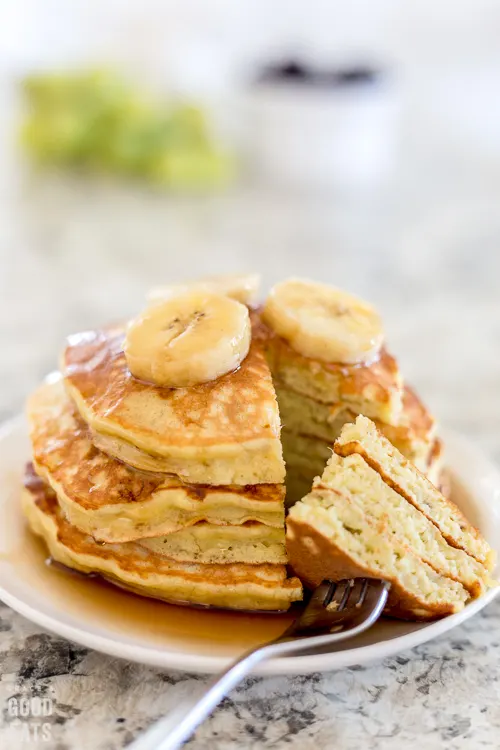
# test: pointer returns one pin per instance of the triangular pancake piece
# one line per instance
(355, 523)
(363, 438)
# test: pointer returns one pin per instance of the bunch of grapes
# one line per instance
(95, 120)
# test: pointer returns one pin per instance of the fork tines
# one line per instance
(351, 591)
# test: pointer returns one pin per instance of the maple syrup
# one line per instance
(94, 602)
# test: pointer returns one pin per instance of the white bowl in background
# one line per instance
(323, 136)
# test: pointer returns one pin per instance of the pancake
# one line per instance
(235, 586)
(218, 433)
(114, 503)
(413, 436)
(374, 389)
(363, 438)
(356, 523)
(251, 543)
(386, 510)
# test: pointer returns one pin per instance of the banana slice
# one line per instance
(192, 337)
(241, 287)
(324, 323)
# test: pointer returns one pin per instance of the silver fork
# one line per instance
(335, 611)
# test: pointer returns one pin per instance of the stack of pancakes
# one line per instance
(174, 487)
(316, 398)
(371, 513)
(172, 493)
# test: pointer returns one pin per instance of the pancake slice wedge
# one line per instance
(397, 472)
(354, 523)
(397, 519)
(234, 586)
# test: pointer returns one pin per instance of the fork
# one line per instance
(335, 611)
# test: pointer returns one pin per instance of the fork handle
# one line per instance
(170, 732)
(173, 730)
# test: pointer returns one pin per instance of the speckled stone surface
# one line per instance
(444, 694)
(76, 253)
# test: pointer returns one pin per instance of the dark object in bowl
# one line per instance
(294, 72)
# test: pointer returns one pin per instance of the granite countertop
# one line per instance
(74, 254)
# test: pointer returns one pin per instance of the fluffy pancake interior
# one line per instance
(362, 437)
(305, 452)
(335, 518)
(238, 586)
(395, 518)
(413, 436)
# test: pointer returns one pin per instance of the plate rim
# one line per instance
(160, 658)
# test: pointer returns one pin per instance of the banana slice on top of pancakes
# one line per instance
(325, 323)
(192, 337)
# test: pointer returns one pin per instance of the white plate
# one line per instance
(106, 619)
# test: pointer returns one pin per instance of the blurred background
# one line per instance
(356, 143)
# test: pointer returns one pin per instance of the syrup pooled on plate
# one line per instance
(149, 622)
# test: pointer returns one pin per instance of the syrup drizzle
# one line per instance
(93, 601)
